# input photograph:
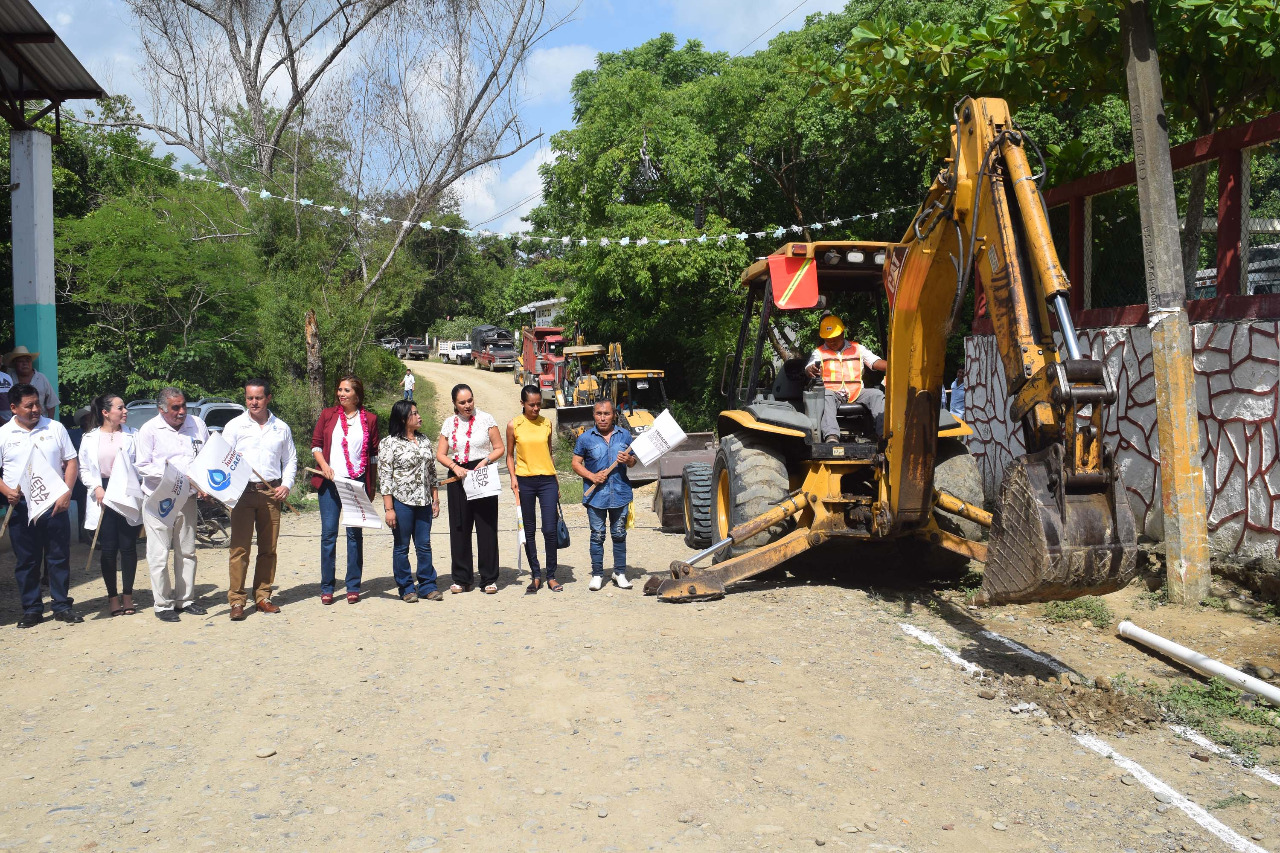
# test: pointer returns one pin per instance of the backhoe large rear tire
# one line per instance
(749, 479)
(957, 473)
(695, 489)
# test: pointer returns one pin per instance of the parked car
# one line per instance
(455, 352)
(414, 348)
(1264, 274)
(389, 344)
(216, 412)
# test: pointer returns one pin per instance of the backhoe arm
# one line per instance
(1062, 526)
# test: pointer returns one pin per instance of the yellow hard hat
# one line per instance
(830, 327)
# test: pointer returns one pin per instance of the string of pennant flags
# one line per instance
(566, 241)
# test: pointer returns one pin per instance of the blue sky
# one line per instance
(101, 34)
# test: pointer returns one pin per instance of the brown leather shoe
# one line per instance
(266, 606)
(237, 613)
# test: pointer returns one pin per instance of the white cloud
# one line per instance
(487, 193)
(550, 70)
(731, 24)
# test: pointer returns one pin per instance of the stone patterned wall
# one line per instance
(1237, 367)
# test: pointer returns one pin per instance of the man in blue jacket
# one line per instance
(601, 458)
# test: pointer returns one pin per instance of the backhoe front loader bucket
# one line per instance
(1052, 539)
(573, 420)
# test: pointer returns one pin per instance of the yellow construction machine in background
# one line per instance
(1062, 526)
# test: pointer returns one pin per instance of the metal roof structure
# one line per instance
(35, 66)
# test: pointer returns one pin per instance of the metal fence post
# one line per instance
(1177, 418)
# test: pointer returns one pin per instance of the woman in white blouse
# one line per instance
(100, 450)
(470, 438)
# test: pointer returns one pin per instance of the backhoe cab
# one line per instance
(1062, 526)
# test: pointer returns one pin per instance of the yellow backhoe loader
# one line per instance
(1061, 527)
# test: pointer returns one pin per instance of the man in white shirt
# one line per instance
(174, 437)
(22, 368)
(840, 363)
(266, 442)
(408, 382)
(48, 537)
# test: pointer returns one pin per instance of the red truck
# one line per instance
(542, 360)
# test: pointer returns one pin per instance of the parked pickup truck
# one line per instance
(455, 352)
(414, 348)
(492, 348)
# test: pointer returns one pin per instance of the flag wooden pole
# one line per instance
(92, 545)
(285, 502)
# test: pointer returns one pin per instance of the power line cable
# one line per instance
(771, 26)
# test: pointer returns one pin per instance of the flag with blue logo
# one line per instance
(166, 502)
(219, 471)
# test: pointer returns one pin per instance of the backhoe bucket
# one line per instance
(573, 419)
(1052, 540)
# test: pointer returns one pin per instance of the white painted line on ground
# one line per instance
(1226, 834)
(1053, 664)
(1206, 744)
(933, 642)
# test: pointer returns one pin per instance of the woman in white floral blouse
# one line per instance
(410, 496)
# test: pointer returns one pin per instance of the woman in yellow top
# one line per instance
(533, 478)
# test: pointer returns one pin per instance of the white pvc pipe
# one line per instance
(1200, 663)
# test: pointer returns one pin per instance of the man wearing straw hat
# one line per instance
(266, 442)
(22, 367)
(49, 536)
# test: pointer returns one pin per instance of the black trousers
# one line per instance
(117, 537)
(481, 514)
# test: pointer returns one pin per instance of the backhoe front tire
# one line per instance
(749, 479)
(695, 489)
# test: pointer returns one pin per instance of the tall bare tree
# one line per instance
(422, 92)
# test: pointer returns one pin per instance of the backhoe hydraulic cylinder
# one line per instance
(1062, 308)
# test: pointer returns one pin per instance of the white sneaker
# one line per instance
(620, 578)
(597, 581)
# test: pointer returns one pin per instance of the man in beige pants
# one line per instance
(266, 442)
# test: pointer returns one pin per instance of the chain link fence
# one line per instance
(1113, 261)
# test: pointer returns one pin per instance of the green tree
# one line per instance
(1219, 65)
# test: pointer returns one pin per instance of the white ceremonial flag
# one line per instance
(124, 490)
(482, 482)
(658, 439)
(170, 496)
(41, 486)
(219, 471)
(519, 538)
(357, 509)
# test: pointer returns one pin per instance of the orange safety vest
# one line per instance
(842, 371)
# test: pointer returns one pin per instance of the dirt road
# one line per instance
(795, 713)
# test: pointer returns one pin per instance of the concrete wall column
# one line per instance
(34, 314)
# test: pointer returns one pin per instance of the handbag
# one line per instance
(562, 529)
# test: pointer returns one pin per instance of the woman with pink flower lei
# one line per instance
(344, 444)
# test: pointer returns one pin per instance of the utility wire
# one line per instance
(771, 26)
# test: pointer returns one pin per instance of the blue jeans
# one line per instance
(330, 517)
(408, 395)
(544, 490)
(412, 522)
(616, 518)
(49, 537)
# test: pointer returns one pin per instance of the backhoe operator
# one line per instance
(840, 364)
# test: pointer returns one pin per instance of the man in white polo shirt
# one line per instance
(175, 437)
(49, 536)
(266, 442)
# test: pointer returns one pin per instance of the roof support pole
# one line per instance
(34, 315)
(1186, 533)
